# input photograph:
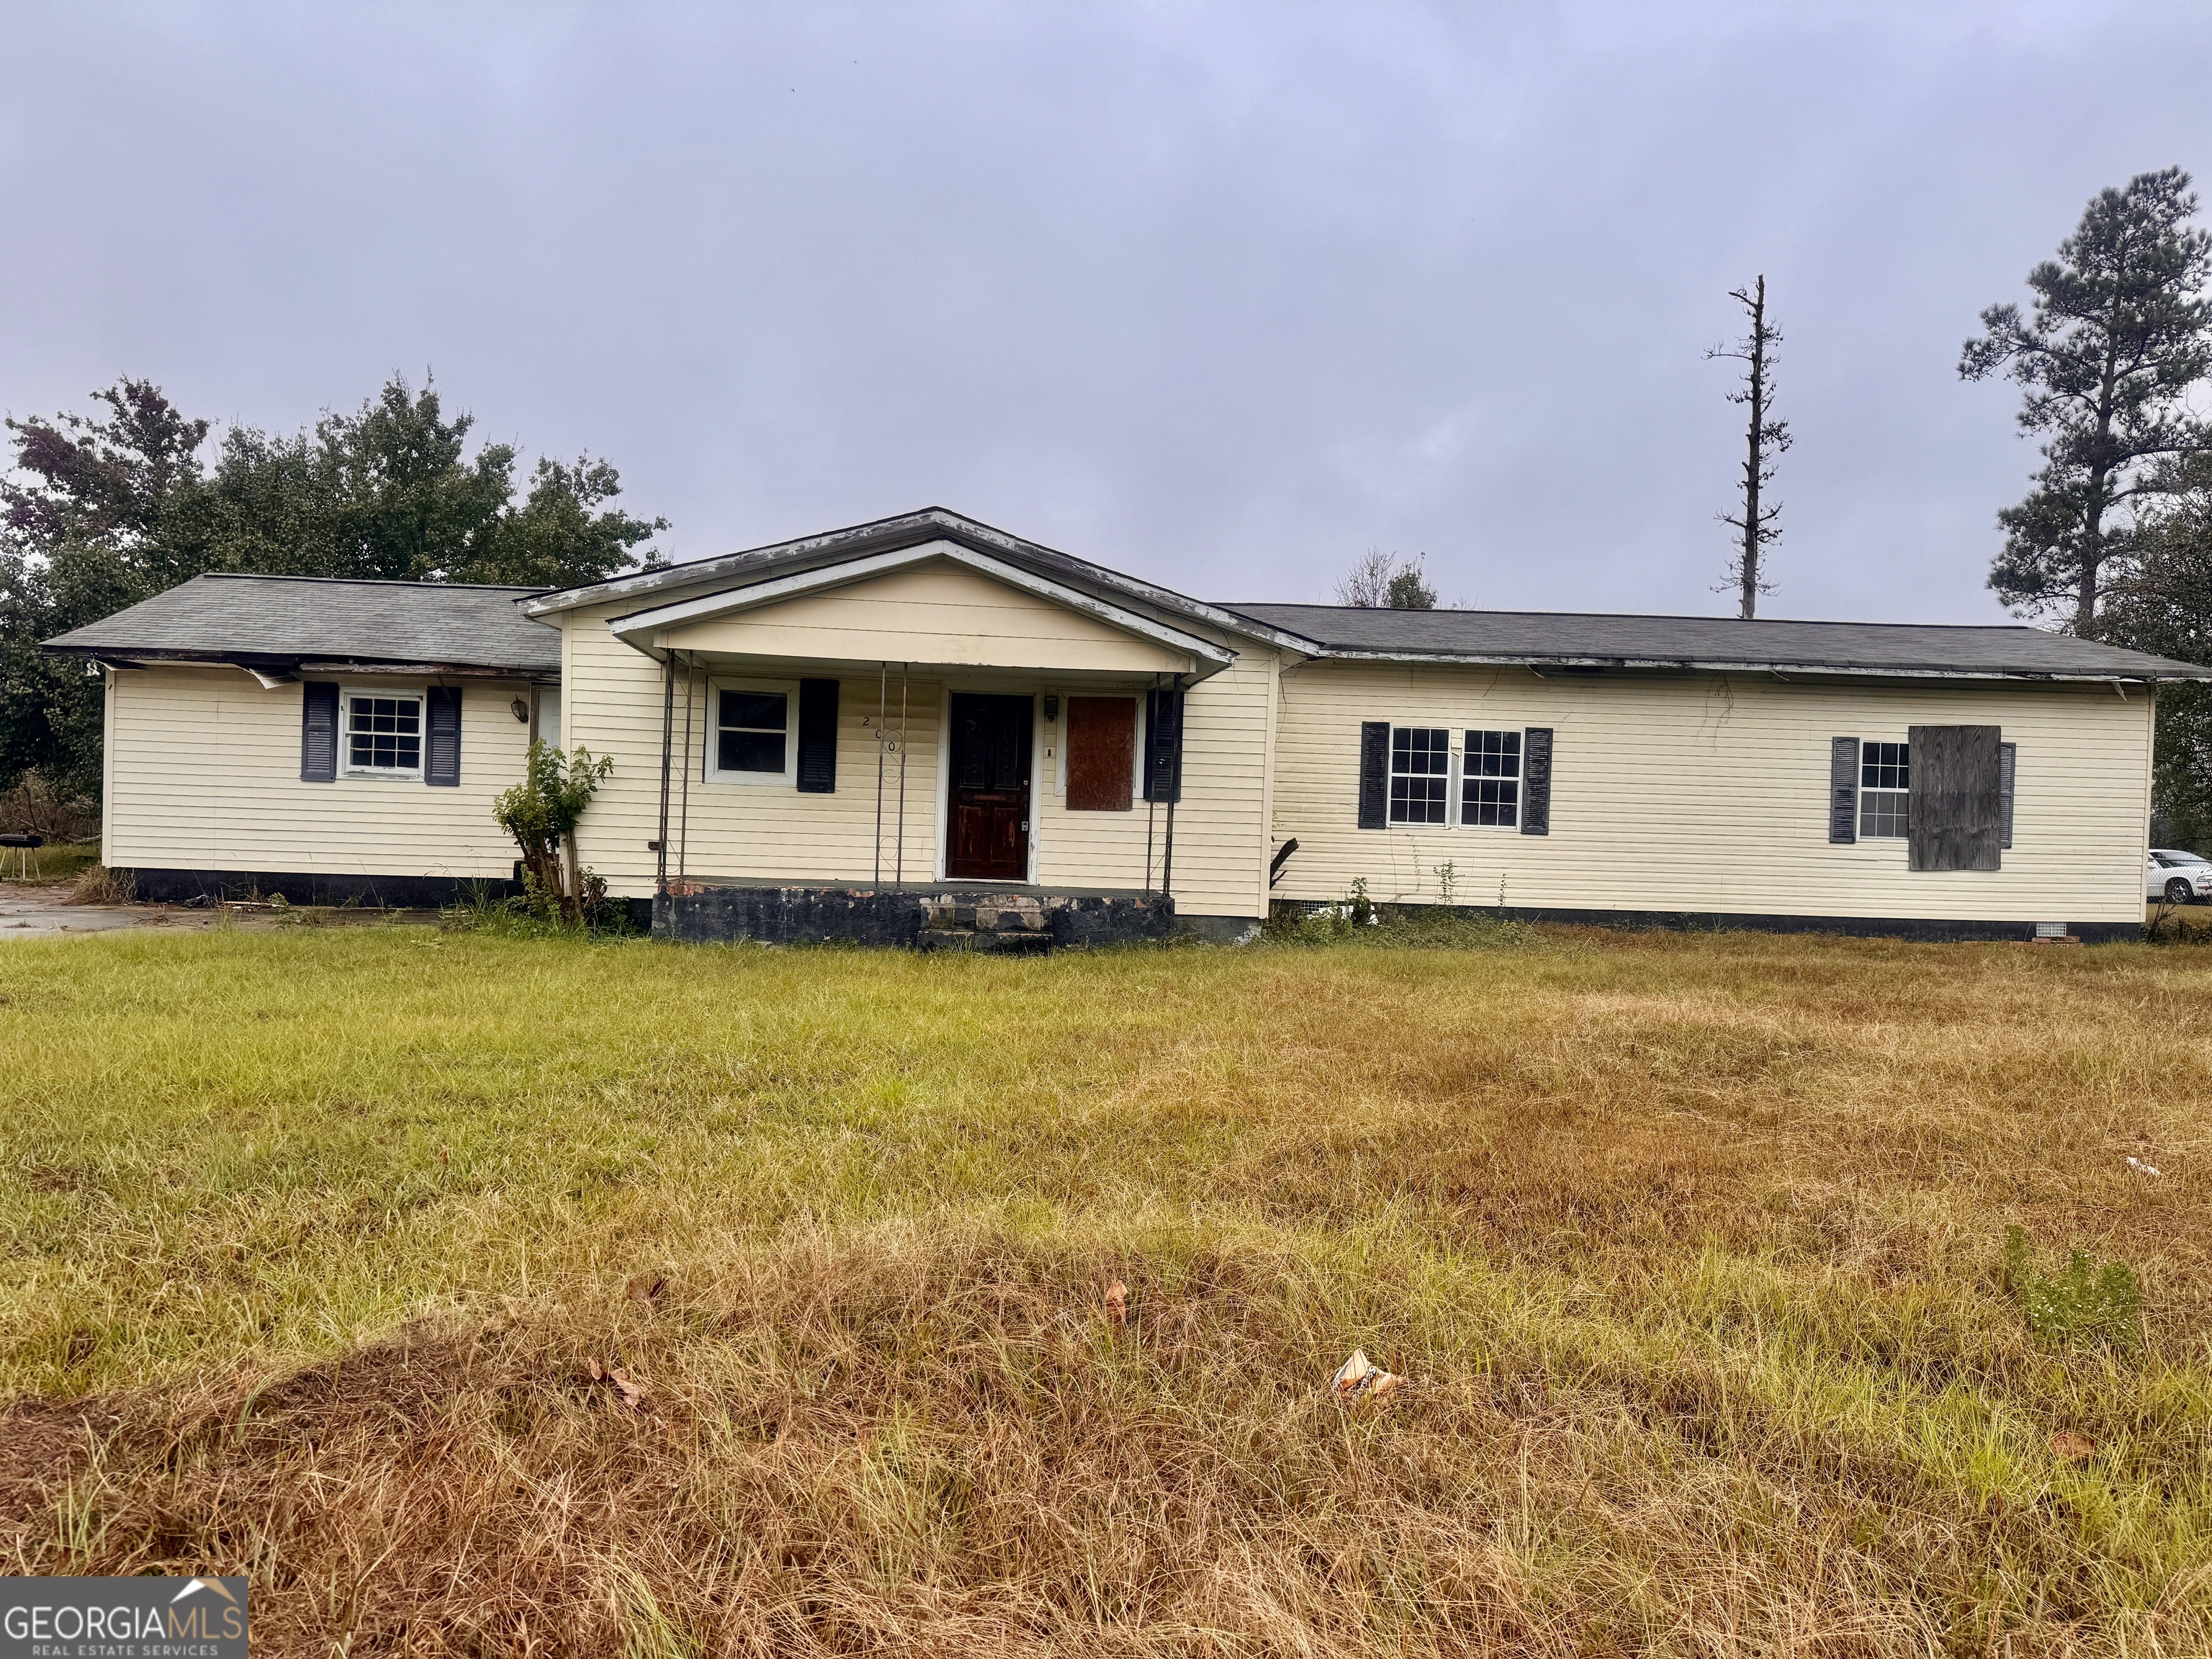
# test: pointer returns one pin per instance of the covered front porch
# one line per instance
(1008, 780)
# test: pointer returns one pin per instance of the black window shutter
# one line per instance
(1843, 790)
(1958, 797)
(318, 731)
(1536, 780)
(1374, 775)
(2008, 761)
(818, 737)
(1163, 744)
(442, 735)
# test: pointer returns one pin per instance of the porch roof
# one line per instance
(654, 590)
(937, 604)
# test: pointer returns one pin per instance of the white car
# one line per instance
(2176, 877)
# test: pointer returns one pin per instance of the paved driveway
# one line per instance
(39, 913)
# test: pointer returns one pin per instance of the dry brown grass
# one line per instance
(95, 884)
(1690, 1247)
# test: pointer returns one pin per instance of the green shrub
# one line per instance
(2088, 1304)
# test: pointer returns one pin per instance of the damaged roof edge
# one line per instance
(1701, 665)
(119, 656)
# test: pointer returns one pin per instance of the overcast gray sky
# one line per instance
(1222, 295)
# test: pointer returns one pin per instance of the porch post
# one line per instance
(667, 738)
(1167, 851)
(684, 798)
(898, 867)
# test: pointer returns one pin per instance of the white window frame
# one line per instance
(1904, 795)
(788, 778)
(421, 697)
(1391, 774)
(1461, 776)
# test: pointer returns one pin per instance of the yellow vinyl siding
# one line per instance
(1220, 843)
(1711, 795)
(1221, 824)
(937, 613)
(203, 769)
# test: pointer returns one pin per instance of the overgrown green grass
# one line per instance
(1693, 1248)
(54, 862)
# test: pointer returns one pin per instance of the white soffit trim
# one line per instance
(635, 629)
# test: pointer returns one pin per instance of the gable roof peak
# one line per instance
(668, 583)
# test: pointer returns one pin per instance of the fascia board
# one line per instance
(1684, 665)
(631, 627)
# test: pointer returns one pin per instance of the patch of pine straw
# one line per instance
(620, 1299)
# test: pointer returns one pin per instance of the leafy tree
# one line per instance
(2118, 337)
(1766, 439)
(1383, 581)
(106, 510)
(555, 539)
(2164, 606)
(80, 525)
(405, 500)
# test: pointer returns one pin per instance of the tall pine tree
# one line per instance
(2118, 336)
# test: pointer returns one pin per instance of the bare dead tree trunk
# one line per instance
(1764, 440)
(1755, 460)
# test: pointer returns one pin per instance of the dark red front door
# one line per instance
(988, 838)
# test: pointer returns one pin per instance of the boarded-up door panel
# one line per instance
(1102, 753)
(1958, 797)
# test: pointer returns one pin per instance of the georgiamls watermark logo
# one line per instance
(122, 1619)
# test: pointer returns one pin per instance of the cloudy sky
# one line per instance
(1223, 294)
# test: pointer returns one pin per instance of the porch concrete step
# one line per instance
(1009, 942)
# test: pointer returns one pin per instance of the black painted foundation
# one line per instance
(1917, 929)
(395, 892)
(909, 919)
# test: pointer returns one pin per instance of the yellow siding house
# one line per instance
(926, 730)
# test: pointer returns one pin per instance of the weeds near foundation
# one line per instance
(98, 884)
(1404, 927)
(535, 913)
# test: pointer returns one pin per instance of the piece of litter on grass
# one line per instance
(1361, 1378)
(615, 1379)
(2070, 1448)
(1117, 1303)
(2141, 1168)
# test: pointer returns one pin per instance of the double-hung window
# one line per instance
(1420, 774)
(1885, 790)
(750, 739)
(1489, 779)
(382, 734)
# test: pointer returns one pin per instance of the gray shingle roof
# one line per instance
(292, 619)
(1569, 640)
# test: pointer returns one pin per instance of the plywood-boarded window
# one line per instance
(1958, 797)
(1102, 753)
